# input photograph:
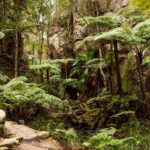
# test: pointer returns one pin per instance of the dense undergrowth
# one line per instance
(128, 137)
(97, 100)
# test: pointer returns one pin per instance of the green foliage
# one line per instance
(64, 6)
(103, 96)
(51, 65)
(129, 11)
(109, 19)
(140, 133)
(123, 34)
(126, 70)
(146, 61)
(123, 113)
(19, 93)
(3, 78)
(123, 102)
(60, 61)
(144, 5)
(71, 82)
(142, 30)
(105, 139)
(126, 16)
(69, 136)
(53, 68)
(57, 129)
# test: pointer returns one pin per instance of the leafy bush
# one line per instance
(105, 139)
(18, 94)
(140, 133)
(69, 136)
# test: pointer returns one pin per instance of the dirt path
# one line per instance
(30, 139)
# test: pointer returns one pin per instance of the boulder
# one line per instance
(2, 121)
(9, 142)
(25, 132)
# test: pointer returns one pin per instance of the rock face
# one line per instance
(61, 40)
(2, 121)
(2, 116)
(115, 5)
(93, 8)
(47, 144)
(23, 131)
(21, 137)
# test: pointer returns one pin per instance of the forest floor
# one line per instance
(29, 139)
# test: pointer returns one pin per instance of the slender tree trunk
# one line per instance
(139, 68)
(4, 7)
(110, 79)
(110, 68)
(16, 53)
(33, 51)
(41, 54)
(119, 82)
(50, 52)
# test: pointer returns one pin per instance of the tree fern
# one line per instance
(122, 34)
(19, 93)
(109, 19)
(129, 12)
(143, 30)
(53, 68)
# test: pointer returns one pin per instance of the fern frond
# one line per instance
(104, 140)
(53, 68)
(129, 11)
(123, 113)
(71, 82)
(96, 63)
(18, 92)
(120, 34)
(143, 30)
(103, 96)
(109, 19)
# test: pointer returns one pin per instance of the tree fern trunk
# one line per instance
(119, 82)
(139, 69)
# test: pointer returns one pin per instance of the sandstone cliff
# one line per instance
(66, 41)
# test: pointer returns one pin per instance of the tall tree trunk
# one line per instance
(119, 82)
(41, 53)
(139, 68)
(11, 46)
(110, 69)
(16, 53)
(33, 51)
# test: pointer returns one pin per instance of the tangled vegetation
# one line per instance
(97, 97)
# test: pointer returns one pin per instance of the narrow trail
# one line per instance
(22, 137)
